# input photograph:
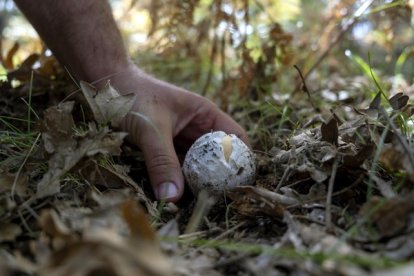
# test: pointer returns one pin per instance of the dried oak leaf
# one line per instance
(106, 252)
(57, 128)
(107, 104)
(67, 150)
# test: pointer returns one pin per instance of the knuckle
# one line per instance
(161, 161)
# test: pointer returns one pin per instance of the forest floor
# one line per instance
(333, 195)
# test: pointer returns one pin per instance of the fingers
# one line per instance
(155, 141)
(206, 117)
(225, 123)
(222, 121)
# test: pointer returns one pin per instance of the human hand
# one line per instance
(86, 40)
(164, 119)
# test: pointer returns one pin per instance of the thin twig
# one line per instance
(224, 234)
(212, 57)
(288, 172)
(285, 177)
(223, 59)
(328, 209)
(13, 189)
(356, 182)
(304, 86)
(229, 231)
(26, 226)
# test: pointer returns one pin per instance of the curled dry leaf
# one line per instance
(329, 131)
(107, 104)
(67, 150)
(57, 128)
(398, 101)
(7, 61)
(106, 252)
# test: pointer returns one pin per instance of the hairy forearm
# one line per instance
(82, 34)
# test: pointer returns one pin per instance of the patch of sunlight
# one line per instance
(254, 44)
(3, 73)
(134, 22)
(201, 11)
(283, 10)
(18, 28)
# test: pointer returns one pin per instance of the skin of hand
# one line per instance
(83, 35)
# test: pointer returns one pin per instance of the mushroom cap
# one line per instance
(217, 162)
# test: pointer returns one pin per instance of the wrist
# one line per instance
(99, 73)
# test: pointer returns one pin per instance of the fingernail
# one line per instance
(167, 190)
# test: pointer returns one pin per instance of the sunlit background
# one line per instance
(207, 45)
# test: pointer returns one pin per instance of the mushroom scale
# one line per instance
(217, 162)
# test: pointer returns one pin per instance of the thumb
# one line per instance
(162, 162)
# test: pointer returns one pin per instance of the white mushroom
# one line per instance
(217, 162)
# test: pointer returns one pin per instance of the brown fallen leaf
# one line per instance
(99, 175)
(103, 255)
(114, 176)
(329, 131)
(67, 150)
(373, 110)
(355, 161)
(52, 225)
(376, 102)
(9, 232)
(390, 216)
(137, 221)
(57, 128)
(398, 101)
(107, 104)
(106, 252)
(7, 61)
(253, 201)
(395, 158)
(9, 183)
